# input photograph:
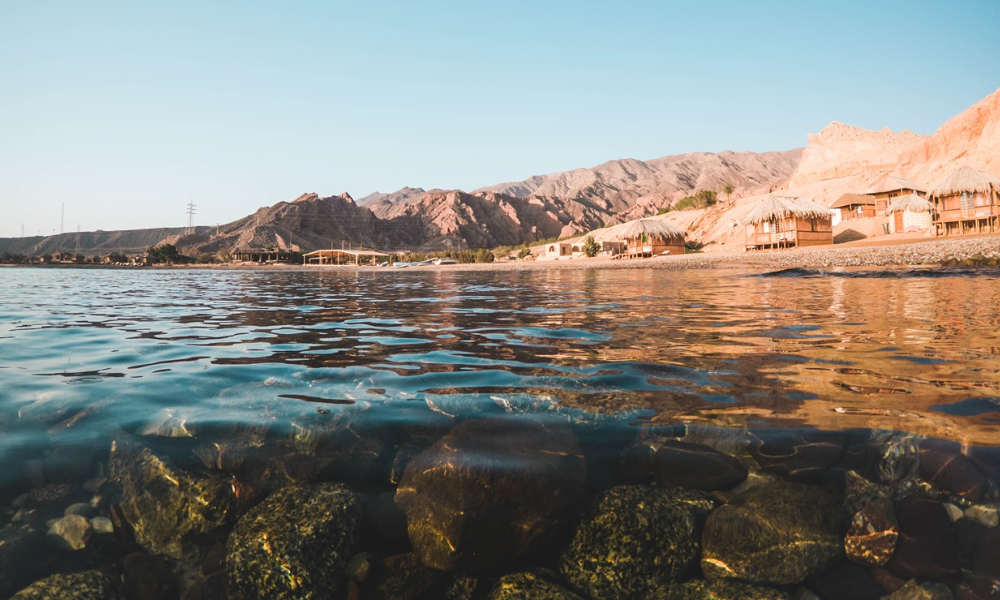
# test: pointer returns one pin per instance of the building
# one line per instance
(966, 202)
(780, 222)
(855, 206)
(557, 250)
(910, 213)
(346, 257)
(642, 238)
(890, 187)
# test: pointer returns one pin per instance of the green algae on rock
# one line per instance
(634, 541)
(171, 510)
(778, 533)
(528, 586)
(295, 544)
(720, 589)
(85, 585)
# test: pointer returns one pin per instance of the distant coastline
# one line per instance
(908, 253)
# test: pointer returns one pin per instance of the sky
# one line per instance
(116, 115)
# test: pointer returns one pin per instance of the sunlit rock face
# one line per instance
(779, 533)
(295, 544)
(489, 491)
(634, 541)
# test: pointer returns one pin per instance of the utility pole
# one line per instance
(190, 214)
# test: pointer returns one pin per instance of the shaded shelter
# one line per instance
(643, 238)
(890, 187)
(346, 257)
(855, 206)
(966, 202)
(784, 222)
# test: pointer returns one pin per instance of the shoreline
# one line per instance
(908, 253)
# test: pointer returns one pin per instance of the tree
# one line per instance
(728, 191)
(484, 256)
(590, 246)
(524, 253)
(164, 253)
(706, 197)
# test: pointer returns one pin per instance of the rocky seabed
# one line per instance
(501, 507)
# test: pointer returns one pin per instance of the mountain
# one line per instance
(618, 185)
(90, 243)
(380, 203)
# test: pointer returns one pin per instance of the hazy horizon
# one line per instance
(126, 113)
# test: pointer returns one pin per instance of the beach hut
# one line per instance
(910, 213)
(966, 202)
(855, 206)
(642, 238)
(890, 187)
(781, 222)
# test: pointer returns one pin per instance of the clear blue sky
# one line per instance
(126, 110)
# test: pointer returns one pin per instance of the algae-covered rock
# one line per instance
(779, 533)
(486, 493)
(70, 533)
(872, 534)
(720, 589)
(85, 585)
(399, 577)
(528, 586)
(634, 541)
(921, 591)
(171, 510)
(295, 544)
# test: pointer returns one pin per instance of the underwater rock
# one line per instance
(694, 466)
(86, 585)
(148, 577)
(872, 535)
(528, 586)
(720, 589)
(69, 465)
(172, 511)
(778, 533)
(102, 526)
(983, 579)
(461, 587)
(634, 541)
(49, 502)
(797, 454)
(295, 544)
(22, 552)
(985, 515)
(944, 467)
(927, 546)
(489, 491)
(399, 577)
(69, 533)
(848, 581)
(383, 524)
(921, 591)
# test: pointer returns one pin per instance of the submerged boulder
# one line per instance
(778, 533)
(695, 466)
(85, 585)
(634, 541)
(927, 546)
(528, 586)
(720, 589)
(171, 510)
(486, 493)
(295, 544)
(22, 552)
(872, 534)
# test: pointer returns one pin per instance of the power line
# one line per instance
(190, 214)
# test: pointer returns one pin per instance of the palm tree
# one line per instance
(728, 191)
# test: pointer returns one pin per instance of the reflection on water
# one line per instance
(209, 356)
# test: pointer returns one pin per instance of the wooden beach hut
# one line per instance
(642, 238)
(782, 222)
(966, 202)
(910, 213)
(890, 187)
(855, 206)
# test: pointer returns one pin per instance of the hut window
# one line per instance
(767, 227)
(980, 199)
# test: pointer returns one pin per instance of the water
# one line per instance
(207, 357)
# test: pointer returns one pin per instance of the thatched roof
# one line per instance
(654, 228)
(891, 183)
(853, 200)
(910, 202)
(964, 179)
(775, 208)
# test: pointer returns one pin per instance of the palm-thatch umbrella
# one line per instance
(964, 179)
(633, 230)
(776, 208)
(909, 202)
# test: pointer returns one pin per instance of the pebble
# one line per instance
(69, 533)
(358, 567)
(984, 514)
(954, 513)
(84, 509)
(19, 501)
(102, 525)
